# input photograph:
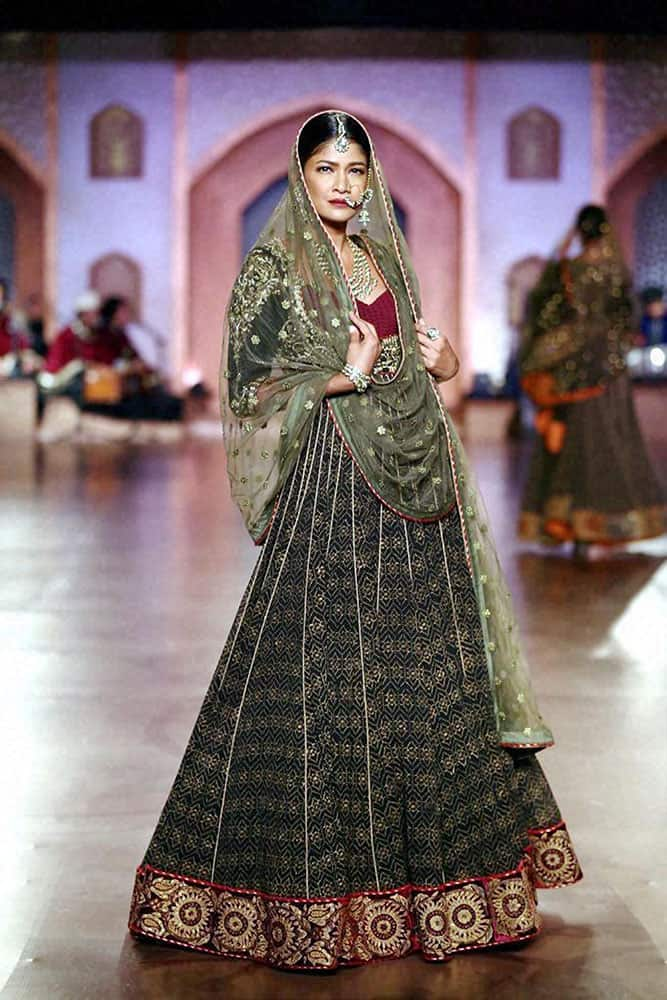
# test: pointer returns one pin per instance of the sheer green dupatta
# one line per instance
(274, 377)
(518, 719)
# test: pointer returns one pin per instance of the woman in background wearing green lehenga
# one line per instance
(590, 479)
(362, 779)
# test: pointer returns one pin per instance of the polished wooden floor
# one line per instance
(120, 571)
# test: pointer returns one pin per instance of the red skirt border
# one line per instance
(320, 933)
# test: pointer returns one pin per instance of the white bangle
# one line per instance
(360, 380)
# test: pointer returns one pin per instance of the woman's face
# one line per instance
(331, 175)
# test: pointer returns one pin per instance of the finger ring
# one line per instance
(433, 333)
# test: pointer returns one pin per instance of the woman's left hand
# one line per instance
(439, 357)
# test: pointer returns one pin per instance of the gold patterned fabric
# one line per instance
(344, 795)
(390, 356)
(579, 321)
(554, 860)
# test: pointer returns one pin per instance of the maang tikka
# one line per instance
(341, 143)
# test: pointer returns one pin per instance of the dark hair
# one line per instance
(652, 293)
(324, 127)
(592, 223)
(110, 306)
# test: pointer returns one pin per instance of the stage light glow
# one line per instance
(191, 376)
(657, 357)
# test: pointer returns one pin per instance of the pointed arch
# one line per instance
(631, 178)
(22, 185)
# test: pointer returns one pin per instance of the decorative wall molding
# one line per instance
(521, 279)
(633, 176)
(633, 154)
(116, 143)
(469, 235)
(22, 182)
(533, 145)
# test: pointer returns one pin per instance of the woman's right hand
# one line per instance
(365, 345)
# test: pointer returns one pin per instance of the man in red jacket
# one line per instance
(83, 342)
(94, 363)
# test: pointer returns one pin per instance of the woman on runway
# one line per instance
(590, 479)
(361, 781)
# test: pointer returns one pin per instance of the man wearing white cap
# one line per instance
(84, 345)
(75, 345)
(93, 366)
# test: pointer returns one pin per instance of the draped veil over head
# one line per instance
(286, 333)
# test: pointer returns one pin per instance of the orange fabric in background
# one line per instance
(541, 388)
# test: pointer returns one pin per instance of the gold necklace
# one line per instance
(362, 280)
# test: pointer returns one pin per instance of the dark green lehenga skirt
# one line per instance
(344, 796)
(600, 487)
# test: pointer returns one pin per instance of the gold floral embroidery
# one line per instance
(324, 934)
(245, 403)
(554, 860)
(469, 921)
(433, 923)
(513, 905)
(376, 928)
(286, 931)
(389, 359)
(239, 922)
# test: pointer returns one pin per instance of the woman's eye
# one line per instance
(323, 169)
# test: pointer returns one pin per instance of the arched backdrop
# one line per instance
(630, 180)
(22, 186)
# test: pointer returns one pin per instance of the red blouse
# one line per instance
(381, 313)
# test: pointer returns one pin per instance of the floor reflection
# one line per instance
(122, 568)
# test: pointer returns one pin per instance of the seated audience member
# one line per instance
(93, 361)
(74, 348)
(654, 318)
(17, 358)
(145, 398)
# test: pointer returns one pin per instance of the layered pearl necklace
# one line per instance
(362, 280)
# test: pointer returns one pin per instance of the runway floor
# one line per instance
(121, 570)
